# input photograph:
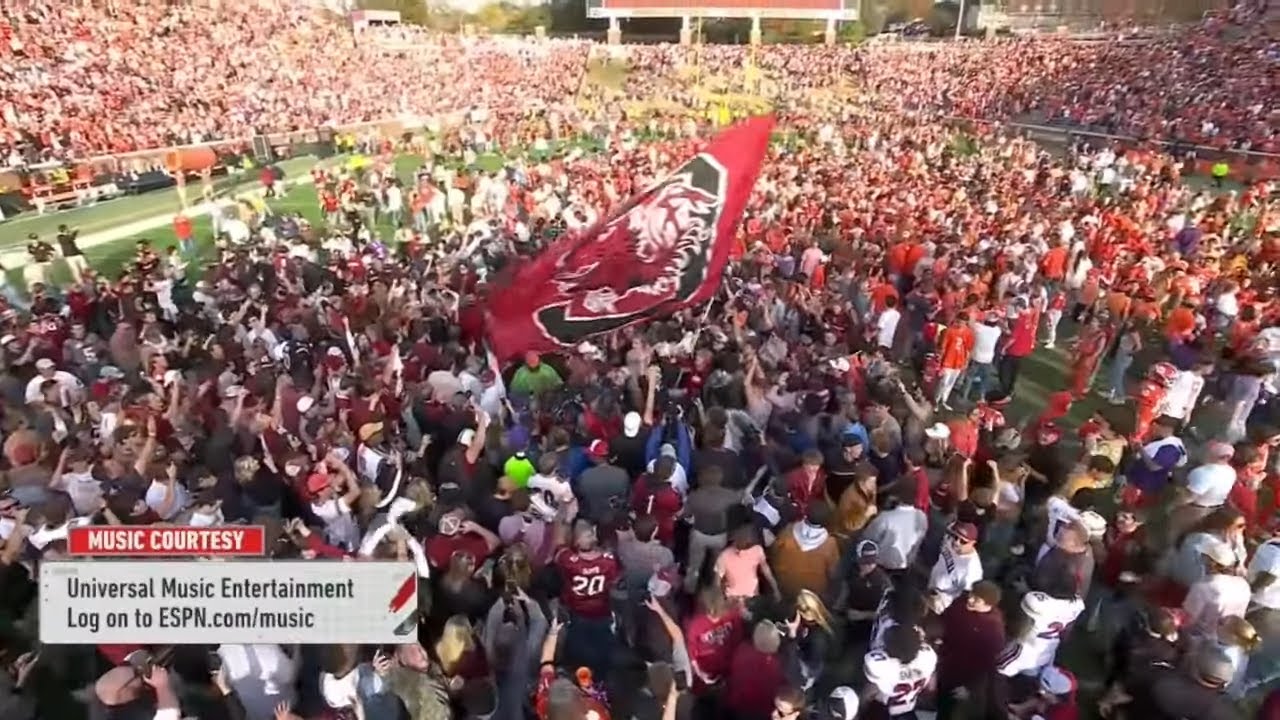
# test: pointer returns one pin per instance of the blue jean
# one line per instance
(1119, 366)
(982, 374)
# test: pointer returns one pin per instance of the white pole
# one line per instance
(960, 20)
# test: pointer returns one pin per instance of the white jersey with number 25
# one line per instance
(898, 685)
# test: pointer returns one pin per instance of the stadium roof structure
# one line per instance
(780, 9)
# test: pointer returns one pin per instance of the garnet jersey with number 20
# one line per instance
(587, 581)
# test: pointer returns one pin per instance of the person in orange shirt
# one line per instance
(1181, 324)
(954, 350)
(1053, 266)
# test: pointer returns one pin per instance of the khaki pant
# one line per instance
(76, 265)
(700, 545)
(36, 272)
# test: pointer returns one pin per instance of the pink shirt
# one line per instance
(741, 571)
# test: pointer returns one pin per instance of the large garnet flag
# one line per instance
(663, 250)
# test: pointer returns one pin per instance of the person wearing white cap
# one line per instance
(841, 704)
(47, 370)
(1207, 488)
(628, 448)
(1220, 593)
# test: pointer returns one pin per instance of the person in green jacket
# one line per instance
(1220, 170)
(534, 377)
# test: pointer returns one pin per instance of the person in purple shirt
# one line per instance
(1187, 240)
(1153, 463)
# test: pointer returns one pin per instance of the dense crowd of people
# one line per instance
(856, 484)
(173, 82)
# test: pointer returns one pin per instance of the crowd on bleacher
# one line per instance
(88, 79)
(91, 79)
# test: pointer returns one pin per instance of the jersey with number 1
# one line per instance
(1029, 654)
(897, 684)
(586, 581)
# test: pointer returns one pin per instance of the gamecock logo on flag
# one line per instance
(664, 250)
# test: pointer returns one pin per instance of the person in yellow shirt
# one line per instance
(1099, 474)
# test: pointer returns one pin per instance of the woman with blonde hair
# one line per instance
(460, 654)
(817, 640)
(1238, 639)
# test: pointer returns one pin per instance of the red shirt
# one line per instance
(754, 679)
(711, 640)
(1022, 336)
(801, 490)
(440, 548)
(964, 436)
(662, 503)
(587, 581)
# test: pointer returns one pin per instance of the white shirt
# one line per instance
(1213, 598)
(887, 326)
(1038, 645)
(1060, 515)
(155, 498)
(899, 533)
(66, 381)
(1210, 484)
(897, 684)
(1266, 560)
(1228, 305)
(985, 340)
(1183, 395)
(952, 575)
(236, 230)
(339, 527)
(83, 490)
(261, 675)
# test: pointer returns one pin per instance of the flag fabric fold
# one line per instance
(663, 250)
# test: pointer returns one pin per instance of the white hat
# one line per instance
(1220, 553)
(840, 364)
(305, 403)
(631, 424)
(466, 436)
(5, 340)
(841, 704)
(938, 431)
(45, 364)
(1057, 681)
(1094, 523)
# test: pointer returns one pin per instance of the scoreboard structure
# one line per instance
(832, 10)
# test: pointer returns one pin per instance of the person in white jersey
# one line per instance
(898, 674)
(1049, 617)
(957, 569)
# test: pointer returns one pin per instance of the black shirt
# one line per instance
(628, 452)
(866, 591)
(67, 241)
(1175, 696)
(734, 477)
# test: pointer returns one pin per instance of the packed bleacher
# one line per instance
(172, 81)
(944, 421)
(87, 80)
